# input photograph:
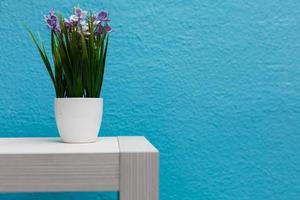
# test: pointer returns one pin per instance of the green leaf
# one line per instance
(44, 57)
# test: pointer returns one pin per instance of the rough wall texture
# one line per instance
(213, 84)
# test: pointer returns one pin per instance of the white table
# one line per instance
(129, 165)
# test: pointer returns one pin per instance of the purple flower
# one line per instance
(79, 13)
(68, 24)
(103, 16)
(52, 21)
(108, 28)
(101, 23)
(74, 19)
(78, 16)
(100, 29)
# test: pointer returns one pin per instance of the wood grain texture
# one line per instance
(26, 165)
(139, 169)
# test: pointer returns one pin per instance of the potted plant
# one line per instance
(78, 46)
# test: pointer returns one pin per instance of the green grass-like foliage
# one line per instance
(78, 59)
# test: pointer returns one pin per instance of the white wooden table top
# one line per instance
(49, 145)
(32, 145)
(126, 164)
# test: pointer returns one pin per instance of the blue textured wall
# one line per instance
(213, 84)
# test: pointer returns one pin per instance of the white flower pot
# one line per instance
(78, 119)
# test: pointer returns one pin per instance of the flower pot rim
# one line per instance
(78, 99)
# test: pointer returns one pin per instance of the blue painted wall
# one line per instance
(213, 84)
